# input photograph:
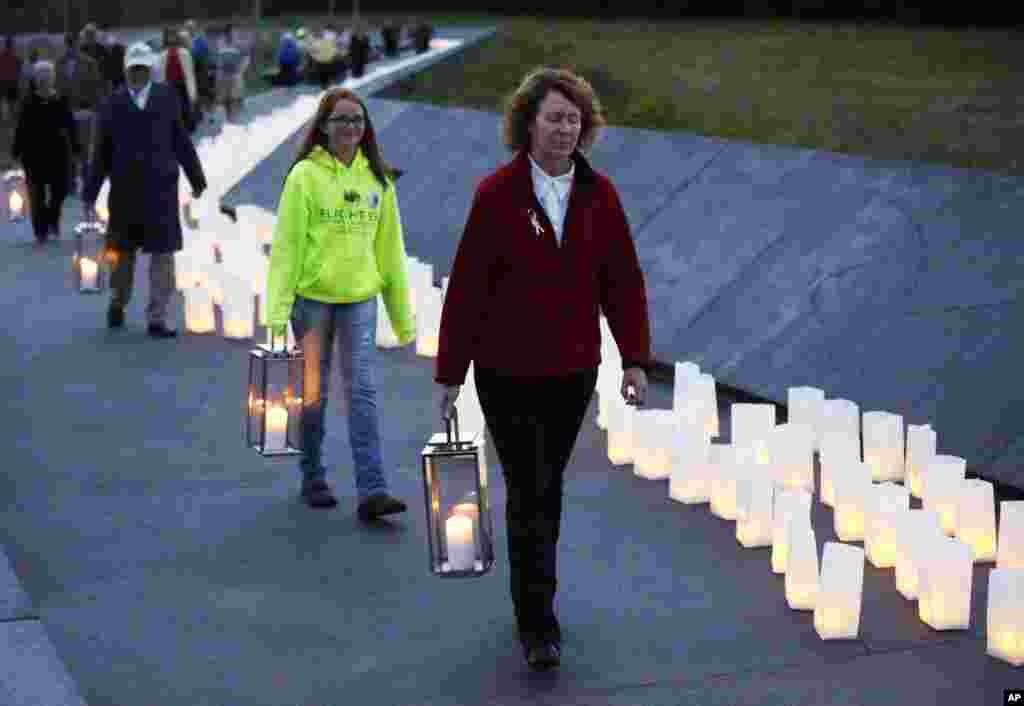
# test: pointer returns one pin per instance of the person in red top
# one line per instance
(546, 247)
(10, 79)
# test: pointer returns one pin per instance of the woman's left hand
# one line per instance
(636, 379)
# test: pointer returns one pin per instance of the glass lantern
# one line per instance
(89, 262)
(461, 537)
(15, 195)
(274, 403)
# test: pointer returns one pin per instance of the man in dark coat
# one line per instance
(141, 143)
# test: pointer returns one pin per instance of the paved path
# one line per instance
(171, 565)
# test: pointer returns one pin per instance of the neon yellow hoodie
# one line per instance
(339, 240)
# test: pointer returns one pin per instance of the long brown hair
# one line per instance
(522, 105)
(316, 137)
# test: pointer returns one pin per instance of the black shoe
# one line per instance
(377, 505)
(544, 656)
(115, 317)
(161, 331)
(317, 493)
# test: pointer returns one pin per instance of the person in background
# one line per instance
(174, 67)
(232, 64)
(202, 64)
(302, 39)
(338, 244)
(113, 70)
(27, 82)
(323, 54)
(289, 61)
(80, 79)
(141, 145)
(46, 143)
(10, 79)
(546, 247)
(359, 51)
(91, 46)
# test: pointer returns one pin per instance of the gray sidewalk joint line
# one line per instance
(717, 676)
(674, 194)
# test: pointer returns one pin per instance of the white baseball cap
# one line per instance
(139, 54)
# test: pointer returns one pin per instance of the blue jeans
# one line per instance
(316, 327)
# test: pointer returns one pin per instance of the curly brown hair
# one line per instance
(522, 106)
(315, 136)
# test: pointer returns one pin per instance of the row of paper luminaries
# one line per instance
(764, 481)
(232, 273)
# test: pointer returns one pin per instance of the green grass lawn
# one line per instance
(944, 96)
(949, 97)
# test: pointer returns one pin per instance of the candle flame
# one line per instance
(17, 203)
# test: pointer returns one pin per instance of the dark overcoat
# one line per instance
(140, 151)
(45, 138)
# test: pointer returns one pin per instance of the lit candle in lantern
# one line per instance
(459, 533)
(277, 427)
(90, 271)
(17, 203)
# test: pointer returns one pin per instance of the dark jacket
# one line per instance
(80, 79)
(113, 69)
(45, 138)
(288, 56)
(520, 303)
(140, 150)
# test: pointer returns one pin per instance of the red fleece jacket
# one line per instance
(520, 303)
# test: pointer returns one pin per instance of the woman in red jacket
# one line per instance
(546, 245)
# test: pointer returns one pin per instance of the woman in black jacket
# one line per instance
(46, 142)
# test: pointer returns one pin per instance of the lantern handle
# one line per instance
(448, 422)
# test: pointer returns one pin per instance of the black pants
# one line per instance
(47, 191)
(534, 423)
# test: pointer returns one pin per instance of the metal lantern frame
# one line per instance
(442, 454)
(261, 360)
(94, 248)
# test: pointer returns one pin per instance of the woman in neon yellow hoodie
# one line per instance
(338, 244)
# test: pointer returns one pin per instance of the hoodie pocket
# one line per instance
(342, 260)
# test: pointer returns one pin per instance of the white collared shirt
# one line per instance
(142, 96)
(553, 193)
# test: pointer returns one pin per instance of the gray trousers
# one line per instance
(161, 282)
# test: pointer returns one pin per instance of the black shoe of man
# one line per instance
(379, 504)
(160, 331)
(543, 656)
(316, 493)
(115, 317)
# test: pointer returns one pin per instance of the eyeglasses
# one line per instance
(354, 120)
